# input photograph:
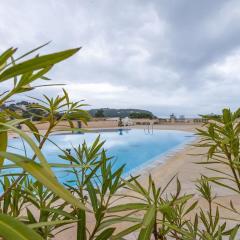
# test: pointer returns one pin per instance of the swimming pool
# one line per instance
(136, 148)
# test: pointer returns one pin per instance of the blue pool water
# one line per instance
(136, 148)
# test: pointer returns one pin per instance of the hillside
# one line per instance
(111, 112)
(101, 112)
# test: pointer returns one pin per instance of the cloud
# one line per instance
(165, 56)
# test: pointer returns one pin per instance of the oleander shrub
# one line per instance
(34, 204)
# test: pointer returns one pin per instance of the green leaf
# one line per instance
(5, 56)
(59, 212)
(3, 142)
(147, 225)
(191, 207)
(27, 122)
(126, 232)
(29, 140)
(52, 223)
(30, 216)
(36, 63)
(10, 229)
(127, 207)
(226, 115)
(234, 233)
(3, 145)
(177, 229)
(106, 234)
(37, 171)
(118, 219)
(93, 196)
(29, 77)
(166, 209)
(81, 225)
(32, 51)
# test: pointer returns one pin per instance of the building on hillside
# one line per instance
(127, 121)
(200, 120)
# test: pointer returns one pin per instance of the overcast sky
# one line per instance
(180, 56)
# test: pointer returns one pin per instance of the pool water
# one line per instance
(136, 148)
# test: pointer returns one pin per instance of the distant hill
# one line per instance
(112, 112)
(101, 112)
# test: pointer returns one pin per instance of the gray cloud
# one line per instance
(162, 55)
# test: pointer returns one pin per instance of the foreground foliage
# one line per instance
(34, 204)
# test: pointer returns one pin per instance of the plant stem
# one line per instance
(231, 166)
(155, 232)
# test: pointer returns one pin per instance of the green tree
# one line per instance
(99, 113)
(141, 115)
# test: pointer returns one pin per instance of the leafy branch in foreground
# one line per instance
(27, 72)
(56, 111)
(38, 206)
(160, 211)
(221, 139)
(23, 75)
(95, 184)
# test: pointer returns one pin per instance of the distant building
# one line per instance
(182, 117)
(19, 112)
(161, 121)
(127, 121)
(172, 118)
(200, 120)
(21, 106)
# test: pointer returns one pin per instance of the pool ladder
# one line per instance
(149, 130)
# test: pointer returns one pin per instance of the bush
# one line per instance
(141, 115)
(98, 191)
